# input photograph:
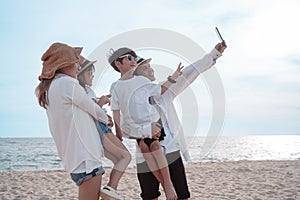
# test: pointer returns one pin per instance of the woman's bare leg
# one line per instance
(115, 151)
(90, 189)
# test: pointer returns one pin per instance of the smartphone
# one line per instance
(219, 35)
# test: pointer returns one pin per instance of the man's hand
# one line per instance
(156, 128)
(221, 47)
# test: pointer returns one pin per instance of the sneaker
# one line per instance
(110, 193)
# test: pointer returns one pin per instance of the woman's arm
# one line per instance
(80, 98)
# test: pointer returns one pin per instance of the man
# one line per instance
(173, 142)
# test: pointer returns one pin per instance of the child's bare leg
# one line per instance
(119, 155)
(150, 160)
(161, 160)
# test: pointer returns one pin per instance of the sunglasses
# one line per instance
(128, 56)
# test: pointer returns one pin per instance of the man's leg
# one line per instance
(148, 183)
(177, 173)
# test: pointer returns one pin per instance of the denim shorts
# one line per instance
(81, 177)
(105, 128)
(102, 129)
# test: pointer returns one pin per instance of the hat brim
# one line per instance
(86, 66)
(144, 61)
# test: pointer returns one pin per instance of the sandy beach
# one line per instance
(222, 180)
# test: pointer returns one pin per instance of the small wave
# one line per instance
(41, 154)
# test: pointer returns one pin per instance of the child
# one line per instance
(114, 149)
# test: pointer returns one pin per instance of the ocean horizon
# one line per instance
(38, 154)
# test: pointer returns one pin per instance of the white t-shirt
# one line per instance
(131, 97)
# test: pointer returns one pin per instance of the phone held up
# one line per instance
(220, 36)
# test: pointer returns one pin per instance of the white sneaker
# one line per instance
(110, 193)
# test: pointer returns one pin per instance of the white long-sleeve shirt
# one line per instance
(174, 139)
(70, 114)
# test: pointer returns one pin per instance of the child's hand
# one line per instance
(104, 100)
(178, 72)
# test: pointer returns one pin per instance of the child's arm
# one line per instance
(171, 79)
(103, 100)
(80, 98)
(116, 116)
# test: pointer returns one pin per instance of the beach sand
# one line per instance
(221, 180)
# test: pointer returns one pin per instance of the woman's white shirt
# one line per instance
(70, 114)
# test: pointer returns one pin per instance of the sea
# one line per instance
(40, 154)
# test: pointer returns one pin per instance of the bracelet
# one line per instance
(171, 80)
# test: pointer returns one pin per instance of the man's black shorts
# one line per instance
(150, 186)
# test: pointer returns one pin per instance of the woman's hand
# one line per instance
(110, 122)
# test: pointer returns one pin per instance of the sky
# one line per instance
(260, 69)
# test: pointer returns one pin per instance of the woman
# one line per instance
(114, 149)
(70, 114)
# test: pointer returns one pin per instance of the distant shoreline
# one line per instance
(34, 154)
(235, 135)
